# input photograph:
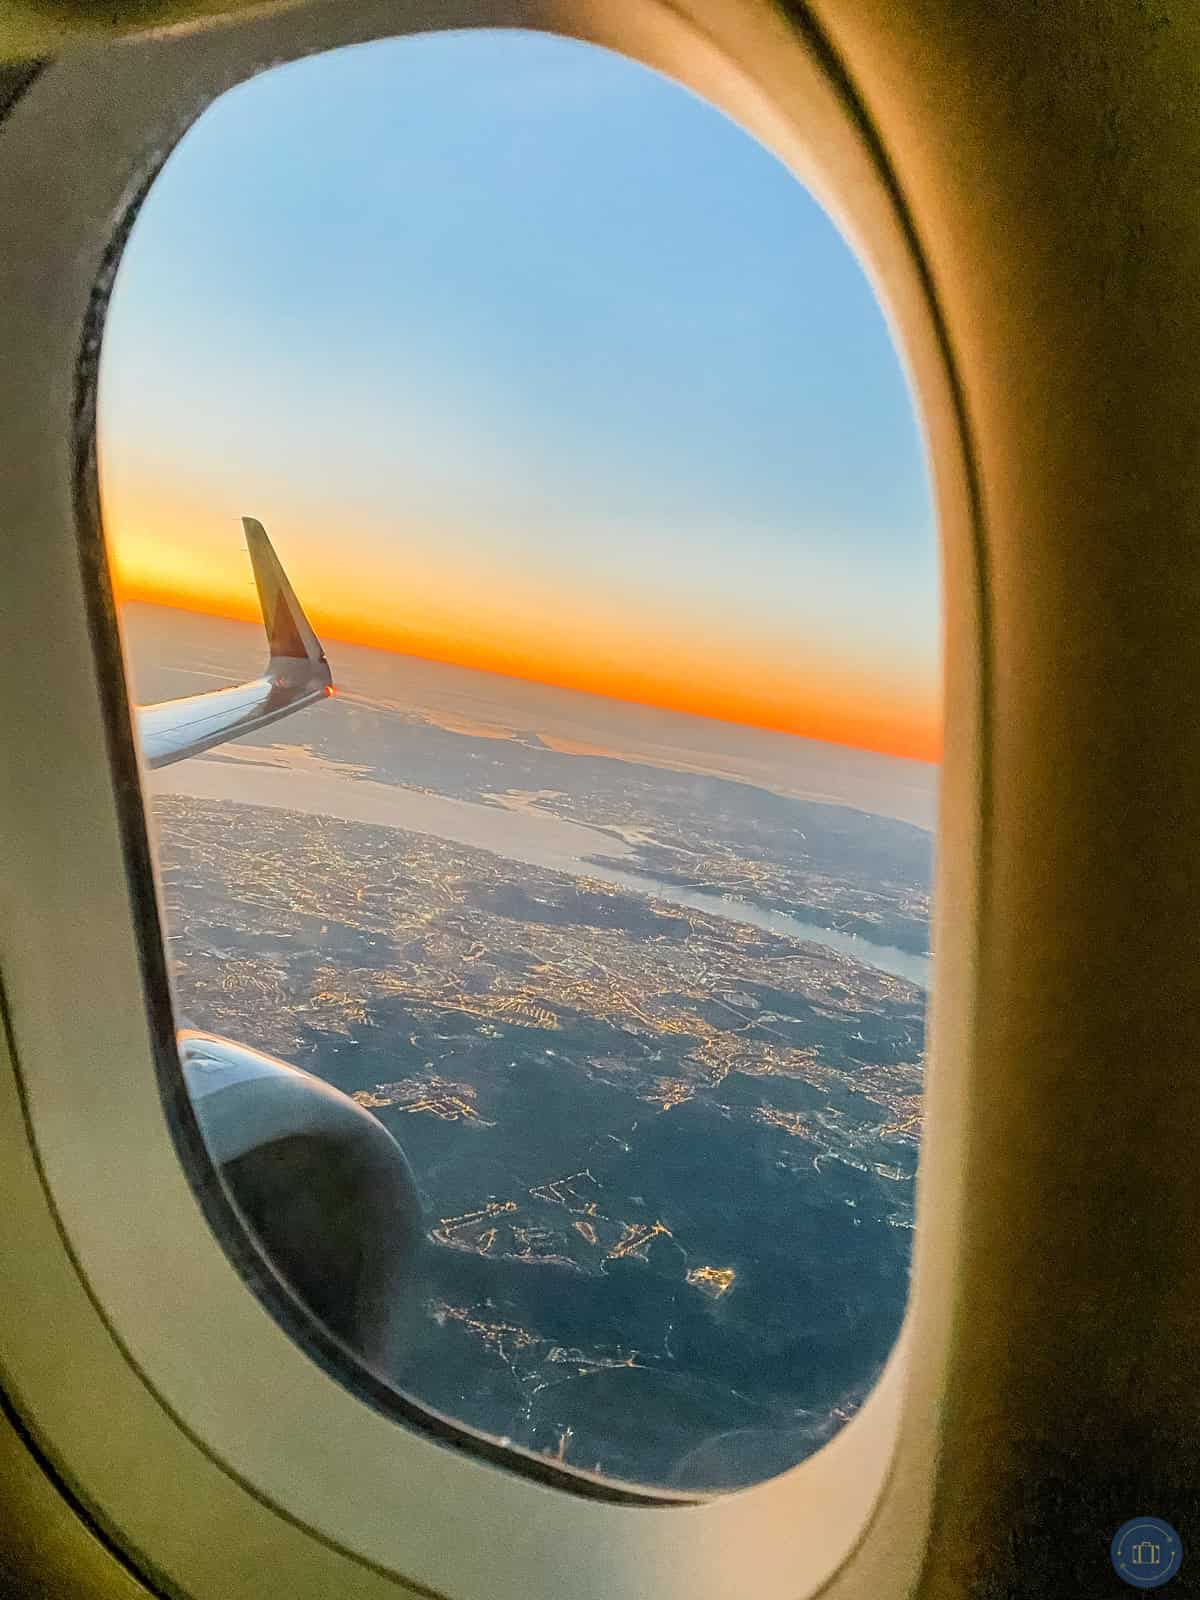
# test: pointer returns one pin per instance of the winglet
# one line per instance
(297, 675)
(289, 632)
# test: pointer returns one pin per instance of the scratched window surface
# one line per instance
(603, 880)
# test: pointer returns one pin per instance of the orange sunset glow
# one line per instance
(446, 614)
(582, 388)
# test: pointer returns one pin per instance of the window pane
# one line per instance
(602, 883)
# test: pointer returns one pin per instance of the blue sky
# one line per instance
(511, 341)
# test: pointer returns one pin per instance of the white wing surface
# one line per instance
(297, 674)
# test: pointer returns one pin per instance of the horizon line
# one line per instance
(124, 593)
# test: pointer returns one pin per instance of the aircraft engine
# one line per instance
(322, 1185)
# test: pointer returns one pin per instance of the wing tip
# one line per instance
(290, 635)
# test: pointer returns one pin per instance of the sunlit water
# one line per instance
(516, 833)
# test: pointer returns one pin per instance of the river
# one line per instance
(299, 782)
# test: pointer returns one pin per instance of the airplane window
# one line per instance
(549, 917)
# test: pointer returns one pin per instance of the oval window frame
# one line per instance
(293, 1490)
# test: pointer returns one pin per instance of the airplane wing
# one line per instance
(297, 674)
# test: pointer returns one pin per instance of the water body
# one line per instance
(178, 653)
(533, 837)
(899, 963)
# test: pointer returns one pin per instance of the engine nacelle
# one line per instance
(326, 1191)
